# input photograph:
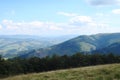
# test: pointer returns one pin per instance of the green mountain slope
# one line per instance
(113, 48)
(85, 44)
(15, 45)
(101, 72)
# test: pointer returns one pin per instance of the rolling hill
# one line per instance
(12, 47)
(15, 45)
(113, 48)
(101, 72)
(83, 44)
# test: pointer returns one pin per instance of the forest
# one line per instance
(17, 66)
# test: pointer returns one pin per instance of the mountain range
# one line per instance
(98, 43)
(30, 46)
(15, 45)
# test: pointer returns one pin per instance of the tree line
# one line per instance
(17, 66)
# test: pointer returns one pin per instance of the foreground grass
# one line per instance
(101, 72)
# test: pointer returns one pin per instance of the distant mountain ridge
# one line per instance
(85, 44)
(15, 45)
(113, 48)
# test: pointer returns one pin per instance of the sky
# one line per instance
(59, 17)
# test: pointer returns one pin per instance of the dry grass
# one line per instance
(101, 72)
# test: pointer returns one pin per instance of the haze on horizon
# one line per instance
(59, 17)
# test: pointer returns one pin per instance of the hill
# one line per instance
(15, 45)
(84, 44)
(101, 72)
(113, 48)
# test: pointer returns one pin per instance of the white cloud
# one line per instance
(82, 21)
(34, 27)
(116, 11)
(9, 24)
(103, 2)
(0, 26)
(22, 25)
(76, 24)
(66, 14)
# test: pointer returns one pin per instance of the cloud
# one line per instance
(34, 27)
(82, 21)
(116, 11)
(66, 14)
(27, 25)
(76, 24)
(103, 2)
(86, 25)
(0, 26)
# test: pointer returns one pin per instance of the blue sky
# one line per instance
(59, 17)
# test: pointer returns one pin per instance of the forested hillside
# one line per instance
(17, 66)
